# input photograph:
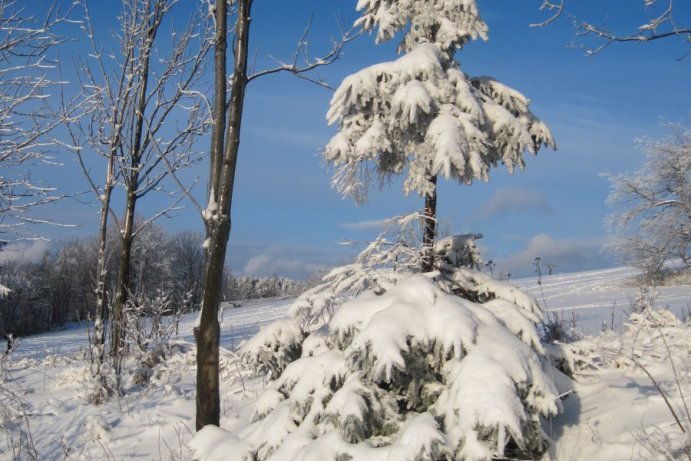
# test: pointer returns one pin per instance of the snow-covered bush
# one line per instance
(644, 299)
(415, 372)
(274, 347)
(150, 320)
(446, 365)
(653, 349)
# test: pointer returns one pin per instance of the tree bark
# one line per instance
(224, 151)
(123, 281)
(429, 232)
(98, 347)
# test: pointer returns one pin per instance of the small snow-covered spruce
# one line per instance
(421, 115)
(421, 367)
(413, 373)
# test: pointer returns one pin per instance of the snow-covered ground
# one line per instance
(593, 296)
(615, 411)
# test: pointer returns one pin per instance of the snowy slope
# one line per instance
(237, 324)
(44, 416)
(592, 296)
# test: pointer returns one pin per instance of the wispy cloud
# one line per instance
(294, 262)
(294, 138)
(586, 111)
(568, 255)
(268, 264)
(374, 224)
(512, 199)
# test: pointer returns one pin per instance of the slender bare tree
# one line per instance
(228, 104)
(141, 111)
(159, 97)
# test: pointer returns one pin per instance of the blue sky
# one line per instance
(286, 218)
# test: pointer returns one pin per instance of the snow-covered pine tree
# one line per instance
(421, 115)
(442, 366)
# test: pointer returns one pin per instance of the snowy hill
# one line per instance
(614, 410)
(592, 296)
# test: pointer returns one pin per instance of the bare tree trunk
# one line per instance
(122, 282)
(225, 141)
(429, 231)
(132, 182)
(98, 347)
(217, 217)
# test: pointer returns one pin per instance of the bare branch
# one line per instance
(302, 63)
(661, 24)
(26, 116)
(555, 10)
(164, 212)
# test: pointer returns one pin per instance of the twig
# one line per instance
(676, 377)
(555, 10)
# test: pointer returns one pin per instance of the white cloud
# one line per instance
(510, 199)
(294, 262)
(375, 224)
(272, 263)
(31, 251)
(568, 255)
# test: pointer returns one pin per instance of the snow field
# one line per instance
(614, 411)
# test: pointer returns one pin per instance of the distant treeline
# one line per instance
(60, 287)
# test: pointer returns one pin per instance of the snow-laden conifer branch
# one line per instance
(450, 24)
(395, 251)
(423, 111)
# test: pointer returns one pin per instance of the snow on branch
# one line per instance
(554, 11)
(27, 79)
(422, 111)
